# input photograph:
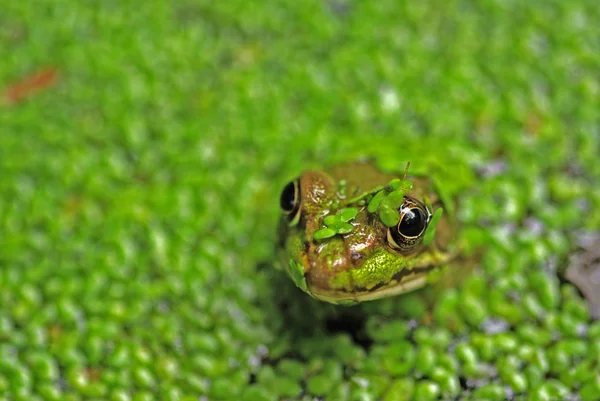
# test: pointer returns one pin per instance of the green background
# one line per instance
(139, 196)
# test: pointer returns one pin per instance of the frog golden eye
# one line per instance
(408, 233)
(290, 200)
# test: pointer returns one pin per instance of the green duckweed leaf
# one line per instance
(444, 195)
(388, 214)
(324, 233)
(394, 184)
(331, 220)
(403, 186)
(368, 195)
(297, 275)
(345, 228)
(430, 231)
(396, 198)
(348, 214)
(374, 204)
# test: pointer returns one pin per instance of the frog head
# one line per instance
(361, 256)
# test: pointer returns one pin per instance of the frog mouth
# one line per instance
(402, 282)
(408, 278)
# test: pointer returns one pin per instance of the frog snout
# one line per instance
(328, 261)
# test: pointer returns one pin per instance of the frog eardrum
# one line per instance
(407, 235)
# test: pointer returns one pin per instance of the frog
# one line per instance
(368, 257)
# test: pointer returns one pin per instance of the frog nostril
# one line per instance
(306, 246)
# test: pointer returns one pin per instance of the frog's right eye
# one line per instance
(290, 201)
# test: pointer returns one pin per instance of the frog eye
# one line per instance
(290, 201)
(407, 234)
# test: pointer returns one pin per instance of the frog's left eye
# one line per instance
(290, 201)
(408, 233)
